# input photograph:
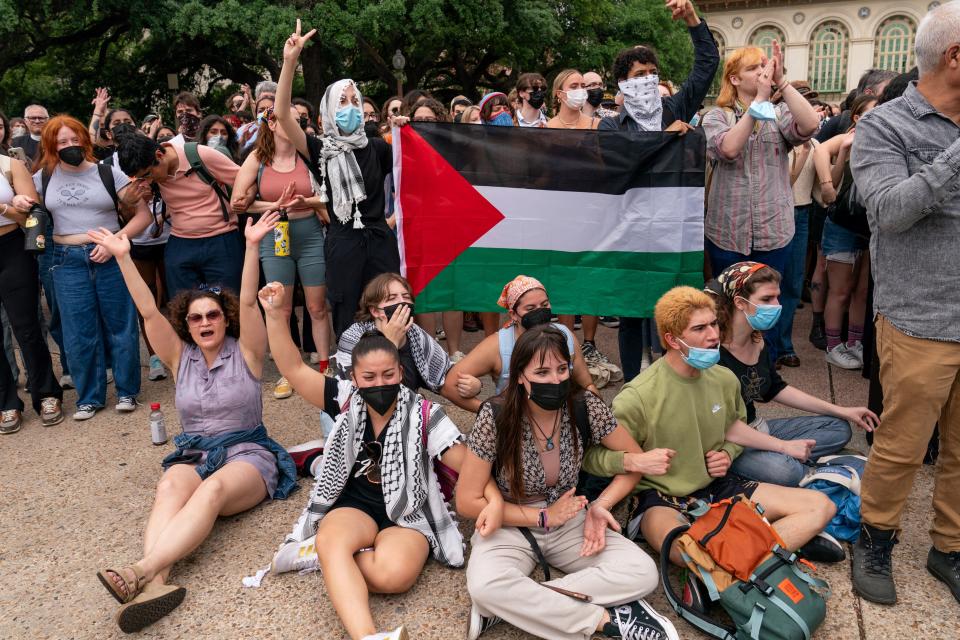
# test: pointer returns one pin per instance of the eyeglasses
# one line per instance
(193, 319)
(371, 117)
(37, 118)
(593, 85)
(374, 453)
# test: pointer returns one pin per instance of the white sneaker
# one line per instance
(478, 624)
(85, 412)
(397, 634)
(841, 357)
(296, 556)
(457, 356)
(157, 372)
(126, 404)
(66, 382)
(314, 358)
(645, 360)
(857, 351)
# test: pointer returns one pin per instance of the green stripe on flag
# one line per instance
(590, 283)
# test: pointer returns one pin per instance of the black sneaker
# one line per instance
(823, 548)
(818, 335)
(478, 624)
(577, 322)
(873, 565)
(611, 322)
(638, 621)
(945, 566)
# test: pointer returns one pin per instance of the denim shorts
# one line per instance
(306, 255)
(841, 245)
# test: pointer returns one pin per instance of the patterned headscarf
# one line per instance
(514, 289)
(734, 278)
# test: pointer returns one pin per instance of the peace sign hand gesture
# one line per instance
(295, 43)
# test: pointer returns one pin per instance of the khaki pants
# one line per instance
(921, 385)
(499, 583)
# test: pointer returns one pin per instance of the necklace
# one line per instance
(568, 125)
(549, 445)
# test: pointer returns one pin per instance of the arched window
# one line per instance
(721, 47)
(893, 48)
(829, 47)
(764, 36)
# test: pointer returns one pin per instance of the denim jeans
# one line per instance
(191, 262)
(54, 326)
(791, 284)
(830, 433)
(96, 308)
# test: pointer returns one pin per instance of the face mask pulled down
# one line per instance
(642, 101)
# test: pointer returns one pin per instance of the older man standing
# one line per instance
(906, 163)
(36, 116)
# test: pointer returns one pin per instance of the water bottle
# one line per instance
(158, 428)
(281, 236)
(38, 219)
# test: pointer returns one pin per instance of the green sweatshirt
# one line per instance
(662, 409)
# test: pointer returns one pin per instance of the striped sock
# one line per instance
(854, 334)
(833, 338)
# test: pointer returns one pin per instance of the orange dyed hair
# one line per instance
(48, 141)
(733, 65)
(675, 308)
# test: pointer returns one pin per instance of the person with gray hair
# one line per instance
(906, 164)
(872, 82)
(265, 88)
(36, 117)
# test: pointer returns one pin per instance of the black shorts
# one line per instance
(379, 516)
(720, 489)
(147, 252)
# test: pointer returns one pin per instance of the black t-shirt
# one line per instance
(758, 382)
(359, 490)
(375, 161)
(30, 146)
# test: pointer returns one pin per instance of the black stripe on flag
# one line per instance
(589, 161)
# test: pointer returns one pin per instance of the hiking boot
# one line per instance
(51, 412)
(638, 620)
(823, 548)
(296, 556)
(841, 357)
(945, 566)
(10, 421)
(478, 624)
(818, 335)
(873, 565)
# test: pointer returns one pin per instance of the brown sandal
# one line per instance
(153, 603)
(128, 590)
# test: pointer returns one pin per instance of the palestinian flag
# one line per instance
(608, 221)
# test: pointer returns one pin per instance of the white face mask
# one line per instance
(576, 98)
(215, 141)
(16, 132)
(641, 99)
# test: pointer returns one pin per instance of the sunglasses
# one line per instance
(194, 319)
(374, 453)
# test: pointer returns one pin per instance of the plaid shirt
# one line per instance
(750, 204)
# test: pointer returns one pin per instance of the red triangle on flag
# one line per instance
(442, 214)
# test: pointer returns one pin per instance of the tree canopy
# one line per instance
(56, 52)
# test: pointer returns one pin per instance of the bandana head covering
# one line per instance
(488, 97)
(337, 161)
(514, 290)
(733, 279)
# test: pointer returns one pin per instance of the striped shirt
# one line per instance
(750, 204)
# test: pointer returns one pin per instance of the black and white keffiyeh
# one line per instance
(411, 490)
(431, 359)
(337, 161)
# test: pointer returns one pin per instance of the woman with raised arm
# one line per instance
(376, 511)
(225, 462)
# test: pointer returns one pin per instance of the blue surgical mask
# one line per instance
(700, 358)
(762, 110)
(765, 317)
(349, 119)
(501, 120)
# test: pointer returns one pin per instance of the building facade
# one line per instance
(829, 44)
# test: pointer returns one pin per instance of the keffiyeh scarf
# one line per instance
(431, 360)
(411, 490)
(337, 161)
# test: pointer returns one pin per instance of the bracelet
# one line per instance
(97, 115)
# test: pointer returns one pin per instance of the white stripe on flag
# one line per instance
(648, 220)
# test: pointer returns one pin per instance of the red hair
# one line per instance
(48, 141)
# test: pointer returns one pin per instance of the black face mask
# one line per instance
(372, 129)
(393, 308)
(73, 156)
(549, 396)
(537, 97)
(101, 153)
(304, 122)
(536, 317)
(594, 97)
(380, 397)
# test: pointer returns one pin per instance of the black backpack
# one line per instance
(847, 210)
(106, 177)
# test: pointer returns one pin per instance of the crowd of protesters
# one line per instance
(203, 238)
